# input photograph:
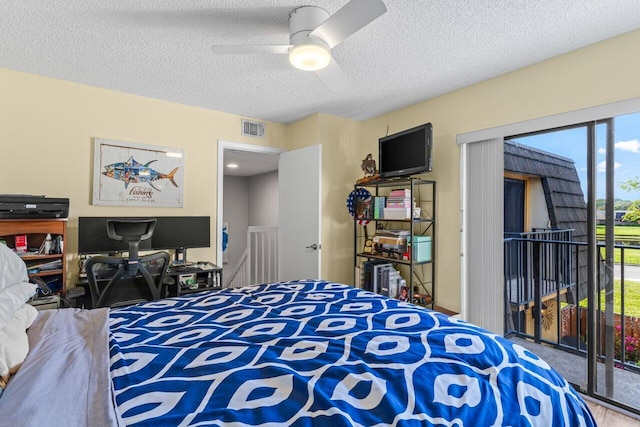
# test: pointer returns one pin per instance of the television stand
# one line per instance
(203, 276)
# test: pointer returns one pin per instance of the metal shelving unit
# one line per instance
(419, 275)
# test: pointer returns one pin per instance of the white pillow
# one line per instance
(12, 269)
(14, 343)
(13, 298)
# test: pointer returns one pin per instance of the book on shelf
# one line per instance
(397, 213)
(400, 192)
(379, 203)
(399, 204)
(392, 233)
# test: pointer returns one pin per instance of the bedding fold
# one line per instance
(14, 343)
(71, 346)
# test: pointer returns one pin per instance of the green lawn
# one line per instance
(631, 256)
(631, 298)
(620, 230)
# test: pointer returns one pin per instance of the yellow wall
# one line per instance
(48, 125)
(339, 138)
(46, 133)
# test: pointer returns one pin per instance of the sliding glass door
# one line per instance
(584, 268)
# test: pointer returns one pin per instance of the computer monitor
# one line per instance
(171, 233)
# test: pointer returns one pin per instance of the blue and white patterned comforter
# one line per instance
(318, 353)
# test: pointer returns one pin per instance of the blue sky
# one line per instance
(572, 143)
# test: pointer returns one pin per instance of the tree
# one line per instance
(618, 204)
(621, 205)
(633, 211)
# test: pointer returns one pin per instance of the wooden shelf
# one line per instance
(46, 273)
(36, 231)
(39, 257)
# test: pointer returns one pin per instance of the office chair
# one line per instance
(117, 281)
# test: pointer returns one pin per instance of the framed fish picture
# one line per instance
(132, 174)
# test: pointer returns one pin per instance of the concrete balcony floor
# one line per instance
(574, 368)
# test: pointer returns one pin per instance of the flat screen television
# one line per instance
(406, 153)
(171, 232)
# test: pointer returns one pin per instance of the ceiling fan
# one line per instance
(312, 35)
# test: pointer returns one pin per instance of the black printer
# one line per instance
(24, 206)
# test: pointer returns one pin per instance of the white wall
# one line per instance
(538, 210)
(247, 201)
(263, 199)
(236, 214)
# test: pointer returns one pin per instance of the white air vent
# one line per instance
(250, 128)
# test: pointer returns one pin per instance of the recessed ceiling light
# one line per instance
(232, 165)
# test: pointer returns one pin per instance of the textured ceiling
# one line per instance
(417, 50)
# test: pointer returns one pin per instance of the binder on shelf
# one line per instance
(388, 280)
(370, 274)
(381, 278)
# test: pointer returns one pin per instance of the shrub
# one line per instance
(631, 347)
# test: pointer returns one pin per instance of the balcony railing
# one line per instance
(545, 276)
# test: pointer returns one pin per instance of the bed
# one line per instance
(295, 353)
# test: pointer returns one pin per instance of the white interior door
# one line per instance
(299, 206)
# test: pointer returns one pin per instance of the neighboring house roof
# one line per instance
(565, 200)
(560, 183)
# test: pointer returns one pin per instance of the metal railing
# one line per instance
(545, 278)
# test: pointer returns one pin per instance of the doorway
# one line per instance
(275, 207)
(243, 170)
(514, 215)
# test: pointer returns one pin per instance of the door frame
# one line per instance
(239, 146)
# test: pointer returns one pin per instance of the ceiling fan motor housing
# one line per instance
(304, 20)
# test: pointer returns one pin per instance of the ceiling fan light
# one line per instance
(309, 57)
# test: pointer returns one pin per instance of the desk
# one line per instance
(198, 277)
(207, 278)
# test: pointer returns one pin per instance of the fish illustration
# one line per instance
(132, 171)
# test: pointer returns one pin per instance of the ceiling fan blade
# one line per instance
(251, 49)
(334, 77)
(348, 20)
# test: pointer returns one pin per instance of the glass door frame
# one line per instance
(593, 329)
